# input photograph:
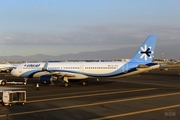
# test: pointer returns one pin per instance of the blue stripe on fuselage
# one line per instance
(126, 68)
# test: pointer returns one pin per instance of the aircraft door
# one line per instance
(81, 68)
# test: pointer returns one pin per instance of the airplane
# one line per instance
(49, 72)
(7, 67)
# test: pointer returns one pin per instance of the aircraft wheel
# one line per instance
(84, 83)
(3, 83)
(67, 84)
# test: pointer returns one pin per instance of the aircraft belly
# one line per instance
(41, 73)
(78, 76)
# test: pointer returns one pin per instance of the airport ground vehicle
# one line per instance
(13, 97)
(4, 82)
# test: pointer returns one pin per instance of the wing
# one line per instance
(68, 74)
(63, 74)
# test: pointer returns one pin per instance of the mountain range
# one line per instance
(170, 53)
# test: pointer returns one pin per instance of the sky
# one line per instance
(56, 27)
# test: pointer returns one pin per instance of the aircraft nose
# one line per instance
(13, 72)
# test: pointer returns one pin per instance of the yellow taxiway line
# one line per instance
(90, 95)
(137, 112)
(73, 93)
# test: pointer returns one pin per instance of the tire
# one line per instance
(3, 83)
(69, 84)
(66, 84)
(84, 83)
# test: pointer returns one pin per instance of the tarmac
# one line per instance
(150, 96)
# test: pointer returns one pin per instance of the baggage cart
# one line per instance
(13, 97)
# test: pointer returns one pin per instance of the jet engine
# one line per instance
(47, 79)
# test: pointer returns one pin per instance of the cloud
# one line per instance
(9, 38)
(113, 34)
(177, 8)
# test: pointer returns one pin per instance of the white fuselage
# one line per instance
(79, 70)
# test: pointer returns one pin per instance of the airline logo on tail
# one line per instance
(146, 52)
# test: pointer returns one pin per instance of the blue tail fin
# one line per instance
(146, 51)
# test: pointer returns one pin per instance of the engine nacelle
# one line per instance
(47, 79)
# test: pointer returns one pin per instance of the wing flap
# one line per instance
(69, 75)
(64, 74)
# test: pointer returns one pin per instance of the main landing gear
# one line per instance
(67, 84)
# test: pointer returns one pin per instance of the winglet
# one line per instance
(146, 52)
(45, 67)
